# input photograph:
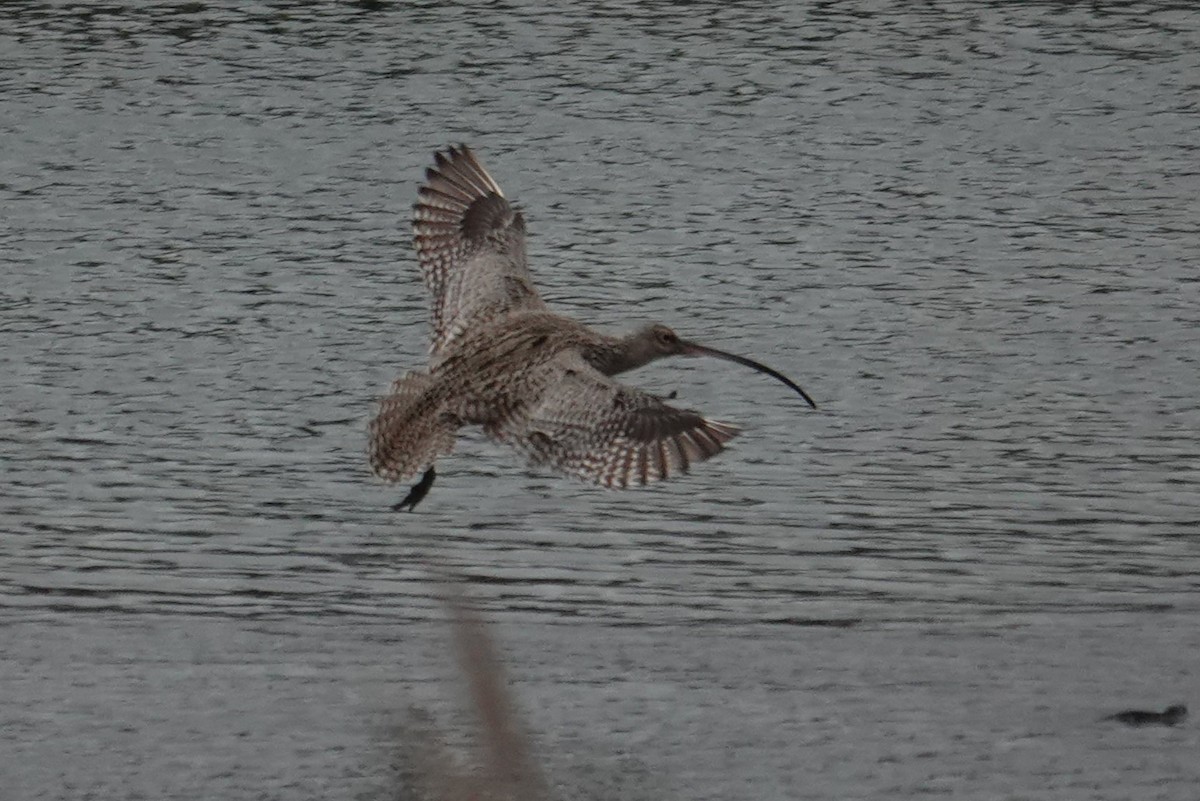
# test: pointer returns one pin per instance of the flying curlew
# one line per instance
(533, 379)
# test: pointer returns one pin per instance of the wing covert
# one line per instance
(585, 424)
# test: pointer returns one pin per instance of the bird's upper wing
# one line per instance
(471, 245)
(583, 423)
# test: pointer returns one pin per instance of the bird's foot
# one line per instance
(417, 493)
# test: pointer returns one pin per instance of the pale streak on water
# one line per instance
(970, 230)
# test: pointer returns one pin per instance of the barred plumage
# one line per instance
(589, 426)
(471, 246)
(533, 379)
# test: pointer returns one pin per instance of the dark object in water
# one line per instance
(1138, 717)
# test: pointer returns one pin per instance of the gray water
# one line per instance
(970, 230)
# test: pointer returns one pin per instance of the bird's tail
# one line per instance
(411, 428)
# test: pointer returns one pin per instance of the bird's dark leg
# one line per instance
(418, 491)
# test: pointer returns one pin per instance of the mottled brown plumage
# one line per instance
(531, 378)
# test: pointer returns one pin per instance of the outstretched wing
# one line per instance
(585, 424)
(471, 245)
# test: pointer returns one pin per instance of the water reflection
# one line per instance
(503, 765)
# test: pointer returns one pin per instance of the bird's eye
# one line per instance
(666, 336)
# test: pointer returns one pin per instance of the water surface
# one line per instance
(969, 230)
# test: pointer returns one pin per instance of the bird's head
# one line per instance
(660, 341)
(656, 341)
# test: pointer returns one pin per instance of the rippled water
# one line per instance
(970, 230)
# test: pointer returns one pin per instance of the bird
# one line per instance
(1141, 717)
(533, 379)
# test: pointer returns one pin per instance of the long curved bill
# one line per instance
(692, 349)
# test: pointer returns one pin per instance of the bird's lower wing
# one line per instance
(585, 424)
